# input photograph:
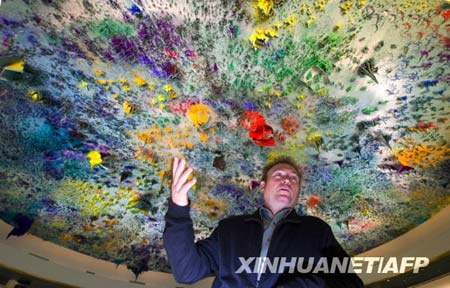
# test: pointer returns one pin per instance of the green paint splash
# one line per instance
(108, 28)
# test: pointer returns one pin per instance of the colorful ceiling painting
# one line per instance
(98, 96)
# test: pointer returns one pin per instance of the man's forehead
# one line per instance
(283, 167)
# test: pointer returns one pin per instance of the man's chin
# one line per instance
(284, 200)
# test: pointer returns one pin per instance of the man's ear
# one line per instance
(262, 185)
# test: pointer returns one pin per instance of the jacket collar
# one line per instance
(292, 217)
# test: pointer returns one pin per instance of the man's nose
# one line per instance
(286, 180)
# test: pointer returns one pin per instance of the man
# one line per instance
(275, 230)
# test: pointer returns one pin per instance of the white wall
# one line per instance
(48, 261)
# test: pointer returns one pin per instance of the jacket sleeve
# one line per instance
(189, 261)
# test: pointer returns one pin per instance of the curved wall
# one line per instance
(96, 100)
(46, 260)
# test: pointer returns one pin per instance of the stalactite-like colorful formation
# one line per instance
(97, 98)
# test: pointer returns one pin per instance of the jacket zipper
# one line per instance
(276, 228)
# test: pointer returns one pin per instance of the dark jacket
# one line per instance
(240, 236)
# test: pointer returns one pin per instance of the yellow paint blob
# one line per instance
(83, 84)
(198, 114)
(203, 137)
(264, 6)
(421, 155)
(95, 158)
(34, 95)
(139, 81)
(16, 66)
(128, 108)
(98, 72)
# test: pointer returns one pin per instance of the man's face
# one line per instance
(282, 187)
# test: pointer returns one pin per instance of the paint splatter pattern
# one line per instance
(97, 99)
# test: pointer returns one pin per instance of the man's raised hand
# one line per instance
(180, 185)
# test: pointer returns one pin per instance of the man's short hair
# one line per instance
(283, 160)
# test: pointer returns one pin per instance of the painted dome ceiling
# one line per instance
(98, 96)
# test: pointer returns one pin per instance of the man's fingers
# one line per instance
(174, 166)
(180, 181)
(185, 188)
(179, 169)
(180, 185)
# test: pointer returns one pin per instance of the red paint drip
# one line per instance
(313, 201)
(258, 130)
